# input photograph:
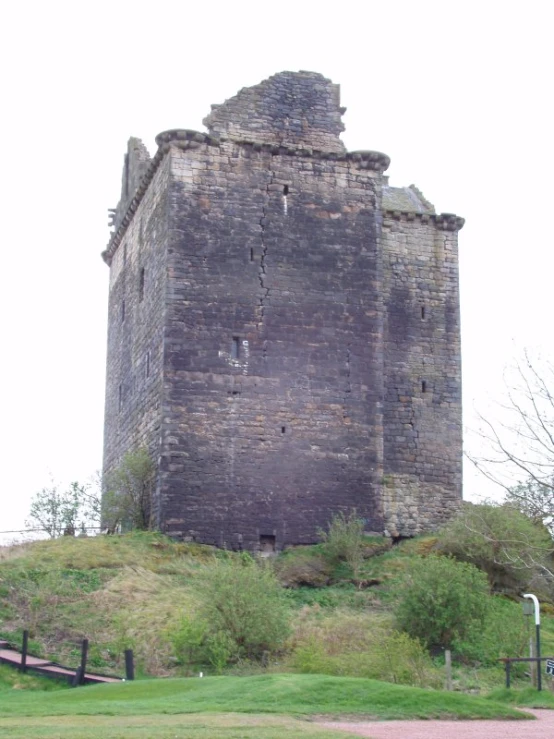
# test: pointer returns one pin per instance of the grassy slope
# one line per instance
(116, 589)
(528, 697)
(279, 694)
(11, 679)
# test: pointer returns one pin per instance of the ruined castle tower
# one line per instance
(284, 329)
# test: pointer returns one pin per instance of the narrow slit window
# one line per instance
(283, 429)
(251, 254)
(422, 312)
(141, 284)
(285, 200)
(423, 386)
(235, 347)
(122, 311)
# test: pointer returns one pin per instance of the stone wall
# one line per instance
(300, 319)
(422, 371)
(138, 277)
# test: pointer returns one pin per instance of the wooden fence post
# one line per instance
(448, 668)
(84, 655)
(24, 649)
(129, 665)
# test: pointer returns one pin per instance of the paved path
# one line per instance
(543, 728)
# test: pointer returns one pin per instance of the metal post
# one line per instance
(24, 648)
(508, 666)
(538, 635)
(539, 671)
(533, 664)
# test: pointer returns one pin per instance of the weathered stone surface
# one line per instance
(283, 328)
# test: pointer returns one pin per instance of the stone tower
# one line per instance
(284, 329)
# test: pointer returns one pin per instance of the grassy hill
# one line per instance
(141, 590)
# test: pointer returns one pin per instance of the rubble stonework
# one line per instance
(284, 329)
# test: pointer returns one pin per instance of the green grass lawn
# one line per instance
(163, 726)
(528, 697)
(274, 694)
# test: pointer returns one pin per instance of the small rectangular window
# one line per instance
(422, 312)
(423, 386)
(267, 543)
(141, 284)
(235, 347)
(122, 311)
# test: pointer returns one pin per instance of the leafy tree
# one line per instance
(443, 602)
(513, 550)
(245, 609)
(535, 500)
(127, 500)
(345, 540)
(63, 511)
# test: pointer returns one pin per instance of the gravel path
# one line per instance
(543, 728)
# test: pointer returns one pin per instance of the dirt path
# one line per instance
(543, 728)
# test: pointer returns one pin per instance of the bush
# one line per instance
(443, 602)
(244, 608)
(513, 550)
(355, 645)
(127, 500)
(344, 541)
(504, 634)
(302, 566)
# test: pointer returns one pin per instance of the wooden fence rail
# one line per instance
(23, 661)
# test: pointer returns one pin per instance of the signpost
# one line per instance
(550, 667)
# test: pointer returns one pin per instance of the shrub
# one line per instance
(127, 500)
(345, 540)
(504, 634)
(244, 607)
(513, 550)
(356, 645)
(443, 602)
(303, 566)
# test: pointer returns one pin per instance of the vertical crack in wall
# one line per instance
(262, 272)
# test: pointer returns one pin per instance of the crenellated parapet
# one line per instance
(374, 161)
(441, 221)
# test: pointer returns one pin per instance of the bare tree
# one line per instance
(519, 444)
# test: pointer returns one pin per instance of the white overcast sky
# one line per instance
(458, 94)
